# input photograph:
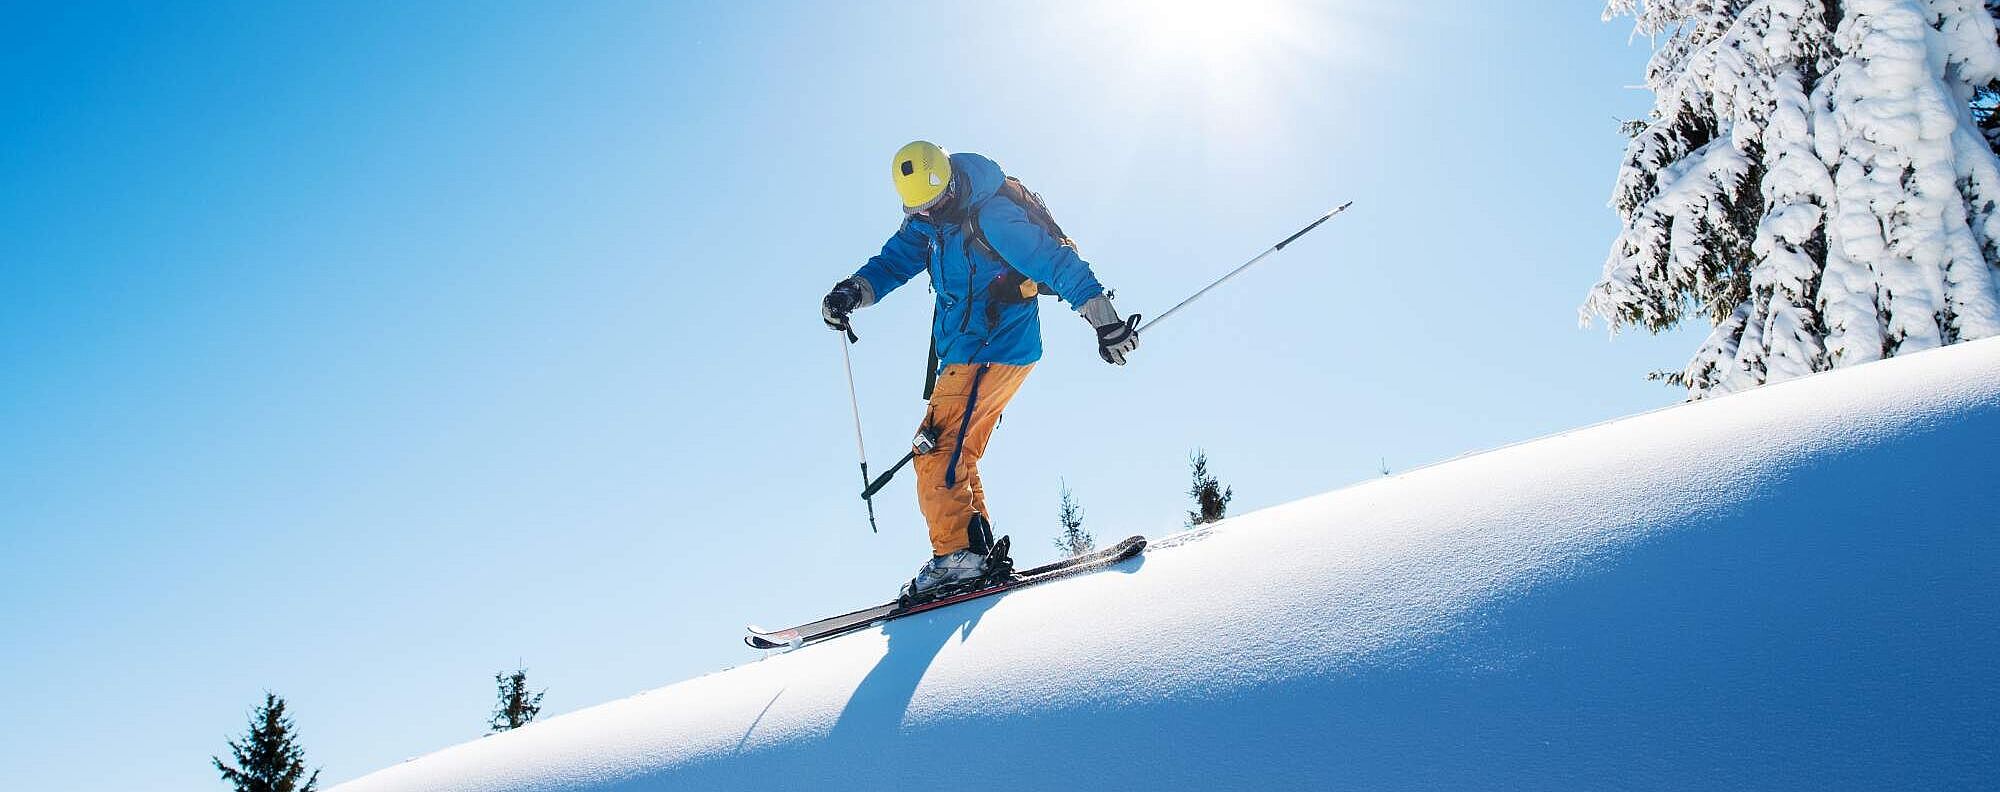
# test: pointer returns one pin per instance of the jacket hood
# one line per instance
(982, 177)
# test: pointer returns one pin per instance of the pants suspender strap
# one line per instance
(964, 426)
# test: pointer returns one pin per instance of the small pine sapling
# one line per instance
(1211, 499)
(1074, 539)
(269, 758)
(516, 707)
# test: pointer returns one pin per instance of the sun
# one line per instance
(1212, 33)
(1229, 69)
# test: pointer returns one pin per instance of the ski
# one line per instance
(831, 626)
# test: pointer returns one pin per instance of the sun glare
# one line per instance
(1208, 81)
(1227, 68)
(1214, 33)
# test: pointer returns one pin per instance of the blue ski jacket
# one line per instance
(973, 325)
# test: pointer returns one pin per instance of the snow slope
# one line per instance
(1797, 587)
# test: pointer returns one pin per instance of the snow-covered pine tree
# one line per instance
(1211, 499)
(516, 707)
(269, 758)
(1817, 180)
(1074, 539)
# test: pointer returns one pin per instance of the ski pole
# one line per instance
(925, 442)
(869, 488)
(883, 481)
(853, 401)
(1246, 265)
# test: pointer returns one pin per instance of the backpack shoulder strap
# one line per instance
(977, 233)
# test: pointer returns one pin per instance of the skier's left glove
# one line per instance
(845, 297)
(1116, 337)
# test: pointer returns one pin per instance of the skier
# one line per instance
(990, 248)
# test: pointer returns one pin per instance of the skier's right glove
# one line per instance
(846, 296)
(1116, 337)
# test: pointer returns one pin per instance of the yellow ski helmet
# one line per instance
(921, 171)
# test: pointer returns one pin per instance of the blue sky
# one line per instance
(359, 351)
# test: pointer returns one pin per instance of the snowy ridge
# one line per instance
(1789, 588)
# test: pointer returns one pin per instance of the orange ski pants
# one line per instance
(965, 406)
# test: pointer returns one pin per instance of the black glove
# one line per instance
(1116, 337)
(846, 296)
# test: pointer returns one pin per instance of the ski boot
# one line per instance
(957, 573)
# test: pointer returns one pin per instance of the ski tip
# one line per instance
(1131, 546)
(772, 636)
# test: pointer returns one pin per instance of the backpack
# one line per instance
(1011, 286)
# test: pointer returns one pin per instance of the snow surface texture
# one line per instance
(1813, 179)
(1795, 587)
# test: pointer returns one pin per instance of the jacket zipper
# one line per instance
(971, 282)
